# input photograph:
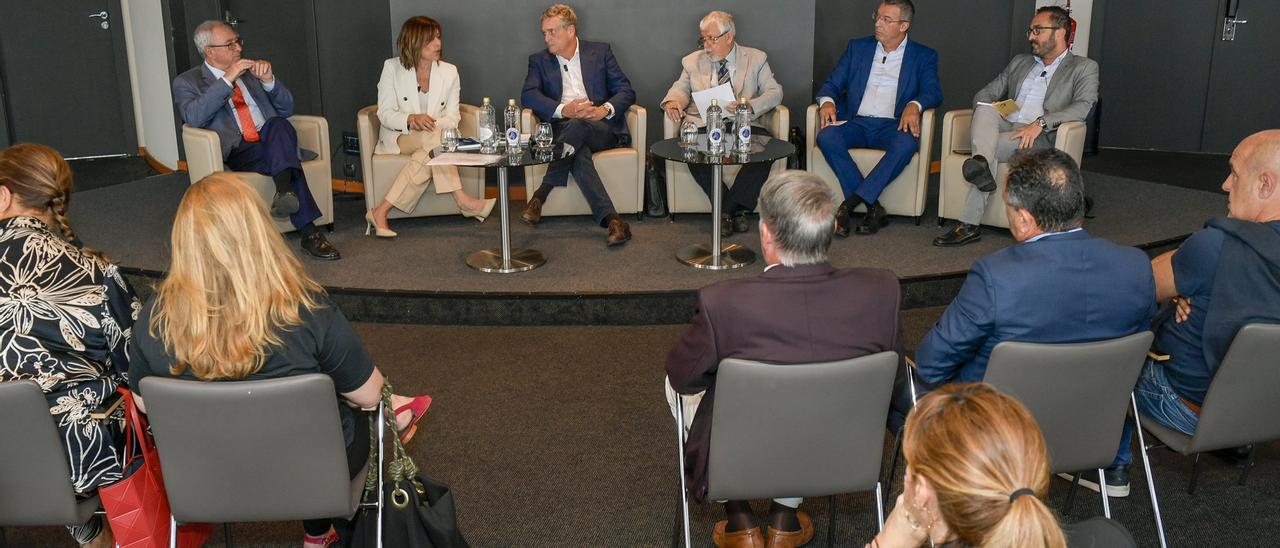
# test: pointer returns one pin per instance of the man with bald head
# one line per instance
(1219, 279)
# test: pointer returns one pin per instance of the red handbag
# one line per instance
(137, 506)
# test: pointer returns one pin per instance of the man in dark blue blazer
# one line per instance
(243, 102)
(579, 88)
(874, 99)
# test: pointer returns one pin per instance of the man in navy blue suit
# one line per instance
(874, 99)
(249, 108)
(579, 88)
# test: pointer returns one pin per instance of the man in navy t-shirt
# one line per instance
(1221, 278)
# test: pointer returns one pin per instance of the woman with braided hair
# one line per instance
(66, 316)
(977, 474)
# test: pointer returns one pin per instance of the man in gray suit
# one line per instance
(1051, 86)
(723, 61)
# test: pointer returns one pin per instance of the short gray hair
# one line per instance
(204, 33)
(799, 209)
(721, 18)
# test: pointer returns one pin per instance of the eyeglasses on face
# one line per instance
(1035, 31)
(237, 42)
(877, 18)
(704, 40)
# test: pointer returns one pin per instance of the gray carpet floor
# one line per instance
(132, 221)
(560, 437)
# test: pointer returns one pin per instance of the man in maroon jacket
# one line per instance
(799, 310)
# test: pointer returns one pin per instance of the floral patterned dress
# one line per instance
(65, 322)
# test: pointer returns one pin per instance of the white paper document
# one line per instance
(722, 93)
(460, 159)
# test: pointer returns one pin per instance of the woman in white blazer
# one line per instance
(418, 99)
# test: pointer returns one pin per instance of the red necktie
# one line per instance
(242, 112)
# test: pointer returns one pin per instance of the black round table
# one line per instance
(504, 260)
(763, 149)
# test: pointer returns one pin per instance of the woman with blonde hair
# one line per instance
(66, 316)
(237, 305)
(417, 99)
(977, 474)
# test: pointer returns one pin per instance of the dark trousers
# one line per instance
(867, 132)
(277, 151)
(746, 186)
(355, 431)
(586, 137)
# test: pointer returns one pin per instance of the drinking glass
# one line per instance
(449, 139)
(542, 138)
(688, 134)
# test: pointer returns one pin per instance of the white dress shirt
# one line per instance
(572, 86)
(254, 111)
(1034, 86)
(1047, 234)
(881, 94)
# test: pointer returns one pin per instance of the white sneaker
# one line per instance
(1117, 483)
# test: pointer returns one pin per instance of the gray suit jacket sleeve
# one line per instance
(198, 109)
(768, 89)
(1083, 89)
(998, 89)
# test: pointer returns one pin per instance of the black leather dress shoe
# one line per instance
(726, 225)
(619, 232)
(740, 223)
(875, 219)
(284, 204)
(317, 246)
(977, 171)
(532, 211)
(842, 221)
(959, 235)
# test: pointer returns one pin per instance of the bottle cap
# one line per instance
(511, 102)
(486, 100)
(713, 102)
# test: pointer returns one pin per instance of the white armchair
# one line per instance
(380, 170)
(956, 145)
(906, 194)
(204, 156)
(683, 193)
(621, 170)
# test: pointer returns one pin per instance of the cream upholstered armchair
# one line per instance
(380, 170)
(621, 169)
(683, 193)
(956, 145)
(905, 195)
(204, 156)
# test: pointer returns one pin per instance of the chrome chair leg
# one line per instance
(1146, 467)
(1106, 505)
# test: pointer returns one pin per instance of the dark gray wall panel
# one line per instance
(353, 43)
(490, 41)
(1242, 83)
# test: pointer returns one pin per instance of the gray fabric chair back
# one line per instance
(1241, 406)
(265, 450)
(35, 482)
(1078, 393)
(801, 430)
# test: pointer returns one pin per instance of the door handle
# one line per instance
(230, 19)
(102, 14)
(1229, 28)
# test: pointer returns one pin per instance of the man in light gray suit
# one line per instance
(1051, 86)
(722, 60)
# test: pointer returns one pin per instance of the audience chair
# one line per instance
(380, 170)
(906, 195)
(621, 169)
(1078, 393)
(250, 451)
(1240, 407)
(204, 156)
(956, 145)
(759, 449)
(35, 482)
(683, 193)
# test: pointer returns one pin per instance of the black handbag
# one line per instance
(418, 512)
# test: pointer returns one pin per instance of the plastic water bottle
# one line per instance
(715, 129)
(742, 123)
(488, 128)
(511, 121)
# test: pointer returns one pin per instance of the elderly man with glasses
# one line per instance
(720, 60)
(1050, 85)
(249, 108)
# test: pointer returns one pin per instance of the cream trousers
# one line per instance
(416, 175)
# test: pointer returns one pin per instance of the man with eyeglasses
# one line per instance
(719, 61)
(249, 108)
(1051, 86)
(874, 99)
(579, 88)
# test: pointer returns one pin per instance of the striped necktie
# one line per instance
(722, 73)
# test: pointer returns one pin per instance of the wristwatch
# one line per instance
(1043, 125)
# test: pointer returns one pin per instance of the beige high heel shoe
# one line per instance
(370, 226)
(483, 214)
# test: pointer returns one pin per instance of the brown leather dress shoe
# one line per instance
(842, 221)
(749, 538)
(532, 211)
(790, 539)
(619, 232)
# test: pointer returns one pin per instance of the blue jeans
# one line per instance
(1159, 402)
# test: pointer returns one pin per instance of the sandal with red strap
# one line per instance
(329, 538)
(419, 407)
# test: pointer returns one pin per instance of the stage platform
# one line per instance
(421, 276)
